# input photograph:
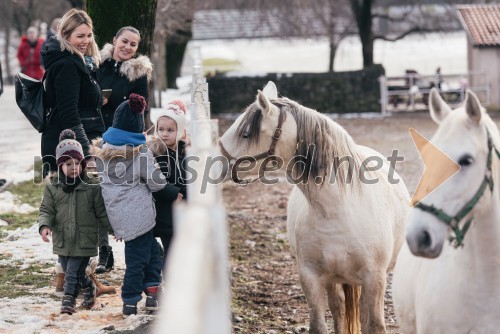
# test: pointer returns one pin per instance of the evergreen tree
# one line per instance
(109, 16)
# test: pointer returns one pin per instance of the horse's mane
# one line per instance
(492, 129)
(334, 149)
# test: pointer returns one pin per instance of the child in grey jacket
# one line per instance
(129, 175)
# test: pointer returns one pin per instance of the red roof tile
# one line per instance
(482, 23)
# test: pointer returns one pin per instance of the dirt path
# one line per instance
(267, 297)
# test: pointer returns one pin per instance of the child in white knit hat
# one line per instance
(168, 146)
(71, 208)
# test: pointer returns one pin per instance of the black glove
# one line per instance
(167, 194)
(81, 137)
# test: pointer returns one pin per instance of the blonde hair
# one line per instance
(69, 22)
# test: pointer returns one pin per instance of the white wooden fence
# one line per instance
(196, 299)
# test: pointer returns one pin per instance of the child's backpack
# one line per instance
(30, 97)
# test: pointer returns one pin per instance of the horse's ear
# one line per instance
(270, 91)
(263, 102)
(439, 109)
(472, 106)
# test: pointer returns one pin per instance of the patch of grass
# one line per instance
(212, 65)
(29, 192)
(21, 220)
(16, 282)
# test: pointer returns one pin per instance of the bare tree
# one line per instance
(412, 17)
(174, 20)
(317, 18)
(17, 15)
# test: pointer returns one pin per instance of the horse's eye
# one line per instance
(245, 135)
(466, 160)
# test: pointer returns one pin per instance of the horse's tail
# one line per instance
(352, 323)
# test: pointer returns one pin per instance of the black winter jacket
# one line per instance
(164, 200)
(124, 78)
(74, 95)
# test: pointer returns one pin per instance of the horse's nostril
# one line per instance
(424, 240)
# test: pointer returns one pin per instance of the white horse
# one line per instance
(345, 235)
(455, 289)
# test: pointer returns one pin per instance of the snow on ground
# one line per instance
(423, 53)
(40, 314)
(19, 141)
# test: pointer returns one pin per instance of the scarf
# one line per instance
(89, 62)
(69, 184)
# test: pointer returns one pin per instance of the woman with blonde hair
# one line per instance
(73, 94)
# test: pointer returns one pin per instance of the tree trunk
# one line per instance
(175, 47)
(333, 50)
(6, 46)
(111, 15)
(362, 10)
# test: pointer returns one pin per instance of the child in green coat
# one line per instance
(71, 208)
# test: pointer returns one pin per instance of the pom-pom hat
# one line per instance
(128, 123)
(176, 111)
(69, 147)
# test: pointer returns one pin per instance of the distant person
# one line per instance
(51, 32)
(72, 208)
(72, 90)
(439, 78)
(28, 54)
(124, 73)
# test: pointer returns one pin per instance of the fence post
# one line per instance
(383, 94)
(197, 296)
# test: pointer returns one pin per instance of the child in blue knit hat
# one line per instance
(129, 176)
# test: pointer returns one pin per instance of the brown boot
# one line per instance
(101, 288)
(60, 278)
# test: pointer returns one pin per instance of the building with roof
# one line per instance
(482, 25)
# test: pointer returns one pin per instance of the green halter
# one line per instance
(453, 221)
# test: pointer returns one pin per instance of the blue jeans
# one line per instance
(75, 277)
(143, 267)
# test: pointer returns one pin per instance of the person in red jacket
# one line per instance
(28, 54)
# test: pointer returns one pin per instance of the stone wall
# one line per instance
(340, 92)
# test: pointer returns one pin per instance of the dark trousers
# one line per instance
(75, 277)
(103, 235)
(166, 239)
(143, 267)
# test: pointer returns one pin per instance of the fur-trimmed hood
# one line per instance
(133, 68)
(156, 145)
(53, 178)
(130, 152)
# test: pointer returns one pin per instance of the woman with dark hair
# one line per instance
(124, 73)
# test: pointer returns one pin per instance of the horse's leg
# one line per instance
(315, 296)
(336, 302)
(372, 304)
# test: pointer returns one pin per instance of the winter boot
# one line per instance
(60, 278)
(88, 297)
(106, 260)
(68, 304)
(101, 288)
(129, 310)
(152, 295)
